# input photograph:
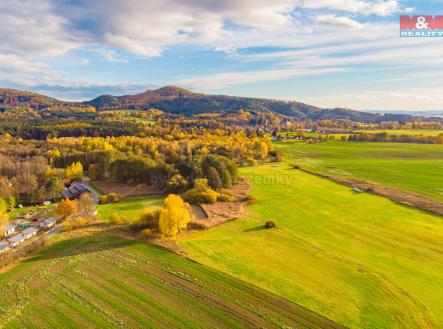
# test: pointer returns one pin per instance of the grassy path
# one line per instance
(359, 259)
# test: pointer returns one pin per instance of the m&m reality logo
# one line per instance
(421, 26)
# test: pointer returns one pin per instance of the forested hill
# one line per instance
(181, 101)
(14, 97)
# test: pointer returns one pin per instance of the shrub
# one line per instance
(150, 218)
(177, 184)
(114, 197)
(277, 155)
(196, 196)
(109, 198)
(250, 199)
(67, 225)
(146, 233)
(103, 199)
(116, 219)
(225, 195)
(270, 224)
(251, 162)
(80, 222)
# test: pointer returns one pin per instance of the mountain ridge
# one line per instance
(177, 100)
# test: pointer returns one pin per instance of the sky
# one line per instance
(328, 53)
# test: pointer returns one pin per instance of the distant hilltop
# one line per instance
(178, 100)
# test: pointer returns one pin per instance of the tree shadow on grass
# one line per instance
(82, 245)
(254, 229)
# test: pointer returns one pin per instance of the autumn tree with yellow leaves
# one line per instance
(174, 216)
(66, 208)
(3, 216)
(74, 171)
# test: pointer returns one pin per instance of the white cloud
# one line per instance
(415, 99)
(220, 80)
(147, 28)
(30, 27)
(111, 56)
(362, 7)
(337, 21)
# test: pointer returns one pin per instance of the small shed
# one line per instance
(24, 225)
(29, 232)
(16, 240)
(4, 246)
(48, 222)
(10, 228)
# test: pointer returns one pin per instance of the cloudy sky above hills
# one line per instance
(328, 53)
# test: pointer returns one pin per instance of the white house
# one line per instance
(4, 246)
(16, 240)
(29, 232)
(10, 228)
(48, 222)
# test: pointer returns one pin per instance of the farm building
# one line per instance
(24, 225)
(48, 222)
(4, 246)
(78, 188)
(29, 232)
(10, 228)
(16, 240)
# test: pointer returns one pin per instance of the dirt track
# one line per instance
(394, 194)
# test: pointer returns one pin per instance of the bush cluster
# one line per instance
(110, 198)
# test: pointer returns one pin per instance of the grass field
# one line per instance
(129, 208)
(359, 259)
(413, 167)
(103, 281)
(414, 132)
(18, 212)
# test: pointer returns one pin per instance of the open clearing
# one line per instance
(129, 208)
(412, 167)
(359, 259)
(125, 190)
(105, 281)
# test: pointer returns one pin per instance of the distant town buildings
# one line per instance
(10, 229)
(48, 222)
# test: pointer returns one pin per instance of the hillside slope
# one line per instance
(177, 100)
(103, 281)
(14, 97)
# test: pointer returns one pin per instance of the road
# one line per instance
(54, 230)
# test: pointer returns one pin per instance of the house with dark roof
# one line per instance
(78, 188)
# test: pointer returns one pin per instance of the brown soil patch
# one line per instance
(127, 190)
(221, 212)
(392, 193)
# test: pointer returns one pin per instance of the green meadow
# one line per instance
(412, 167)
(103, 281)
(358, 259)
(414, 132)
(129, 208)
